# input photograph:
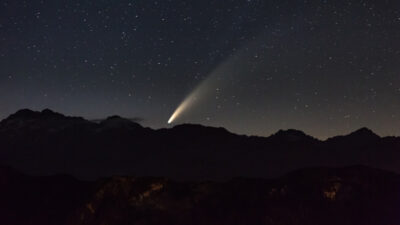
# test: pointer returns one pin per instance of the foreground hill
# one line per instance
(46, 142)
(353, 195)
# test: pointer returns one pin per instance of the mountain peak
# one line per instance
(290, 135)
(363, 132)
(23, 113)
(48, 111)
(358, 137)
(30, 114)
(119, 122)
(27, 119)
(114, 117)
(46, 114)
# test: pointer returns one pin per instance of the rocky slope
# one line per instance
(352, 195)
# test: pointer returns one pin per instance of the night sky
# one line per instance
(325, 67)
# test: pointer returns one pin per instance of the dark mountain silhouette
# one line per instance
(117, 122)
(44, 143)
(39, 200)
(357, 138)
(352, 195)
(291, 136)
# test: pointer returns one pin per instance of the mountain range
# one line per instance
(46, 142)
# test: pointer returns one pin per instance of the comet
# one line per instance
(204, 88)
(182, 107)
(233, 66)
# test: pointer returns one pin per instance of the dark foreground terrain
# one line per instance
(197, 168)
(45, 143)
(352, 195)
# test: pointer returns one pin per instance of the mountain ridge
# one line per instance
(50, 114)
(48, 142)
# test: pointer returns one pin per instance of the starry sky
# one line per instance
(326, 67)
